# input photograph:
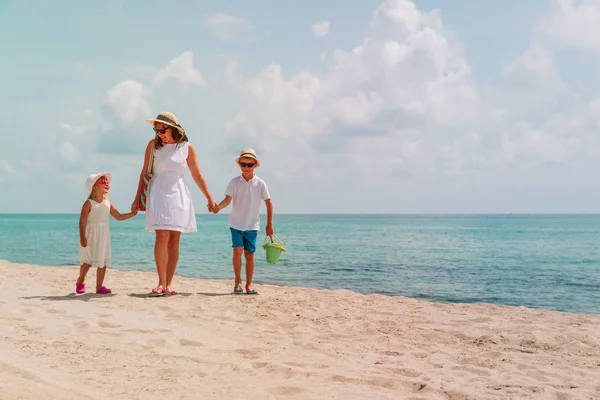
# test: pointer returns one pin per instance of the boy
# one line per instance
(247, 191)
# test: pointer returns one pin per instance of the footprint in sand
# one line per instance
(103, 324)
(187, 342)
(302, 365)
(286, 390)
(81, 325)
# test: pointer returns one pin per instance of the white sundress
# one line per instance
(169, 203)
(97, 253)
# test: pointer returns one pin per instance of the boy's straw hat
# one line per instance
(250, 153)
(90, 181)
(167, 118)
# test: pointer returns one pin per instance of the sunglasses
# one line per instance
(102, 181)
(247, 165)
(160, 130)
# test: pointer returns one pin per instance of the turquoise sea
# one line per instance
(539, 261)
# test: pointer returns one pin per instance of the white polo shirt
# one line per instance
(247, 197)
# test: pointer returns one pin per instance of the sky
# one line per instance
(389, 106)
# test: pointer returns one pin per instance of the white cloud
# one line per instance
(535, 67)
(75, 129)
(320, 29)
(68, 151)
(181, 69)
(406, 76)
(129, 100)
(7, 167)
(574, 23)
(225, 26)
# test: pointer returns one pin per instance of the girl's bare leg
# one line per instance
(83, 270)
(100, 274)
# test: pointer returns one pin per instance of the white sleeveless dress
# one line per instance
(97, 253)
(169, 203)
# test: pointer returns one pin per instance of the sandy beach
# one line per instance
(286, 343)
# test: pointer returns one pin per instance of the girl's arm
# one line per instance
(224, 203)
(147, 155)
(85, 211)
(269, 227)
(121, 217)
(192, 162)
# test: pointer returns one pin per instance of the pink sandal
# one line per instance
(79, 288)
(103, 290)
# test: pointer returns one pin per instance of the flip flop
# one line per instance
(171, 292)
(158, 291)
(238, 289)
(251, 291)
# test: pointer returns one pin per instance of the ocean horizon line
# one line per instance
(366, 214)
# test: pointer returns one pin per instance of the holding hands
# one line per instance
(213, 207)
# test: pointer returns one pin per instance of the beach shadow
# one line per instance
(70, 296)
(152, 295)
(216, 294)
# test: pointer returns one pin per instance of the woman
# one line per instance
(169, 208)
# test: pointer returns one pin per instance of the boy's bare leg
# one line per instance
(100, 274)
(237, 265)
(249, 269)
(83, 270)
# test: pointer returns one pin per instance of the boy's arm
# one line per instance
(269, 227)
(85, 211)
(224, 203)
(121, 217)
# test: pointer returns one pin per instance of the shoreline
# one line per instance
(431, 299)
(287, 342)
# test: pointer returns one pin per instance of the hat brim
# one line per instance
(179, 128)
(94, 178)
(237, 160)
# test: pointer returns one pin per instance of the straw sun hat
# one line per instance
(169, 119)
(250, 153)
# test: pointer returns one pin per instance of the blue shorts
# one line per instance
(245, 239)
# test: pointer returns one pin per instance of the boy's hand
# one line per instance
(134, 212)
(216, 209)
(83, 242)
(269, 230)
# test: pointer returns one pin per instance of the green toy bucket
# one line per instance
(273, 249)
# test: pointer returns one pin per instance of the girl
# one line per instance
(94, 236)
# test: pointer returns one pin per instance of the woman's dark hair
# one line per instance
(177, 136)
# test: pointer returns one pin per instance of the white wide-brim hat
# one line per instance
(250, 153)
(167, 118)
(90, 181)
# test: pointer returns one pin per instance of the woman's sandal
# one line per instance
(237, 289)
(158, 290)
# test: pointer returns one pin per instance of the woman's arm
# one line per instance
(85, 211)
(192, 162)
(121, 217)
(138, 193)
